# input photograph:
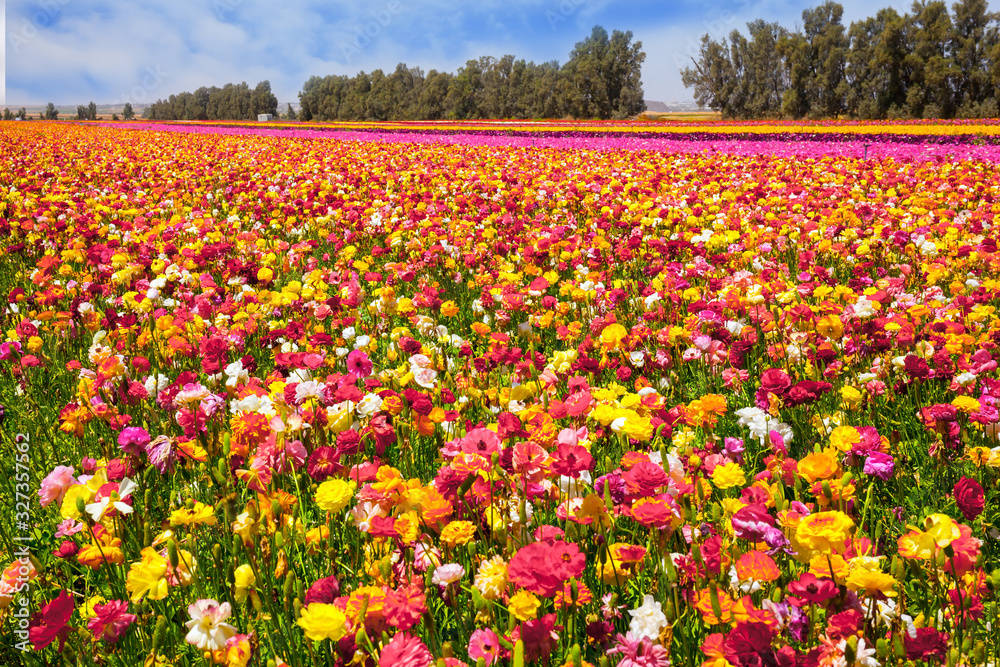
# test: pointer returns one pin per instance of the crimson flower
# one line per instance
(51, 622)
(969, 497)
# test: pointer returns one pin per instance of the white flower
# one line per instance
(647, 620)
(235, 373)
(206, 629)
(309, 389)
(747, 587)
(864, 656)
(369, 405)
(125, 489)
(863, 307)
(425, 377)
(448, 573)
(965, 378)
(348, 333)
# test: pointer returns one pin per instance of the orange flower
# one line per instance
(703, 603)
(818, 465)
(757, 566)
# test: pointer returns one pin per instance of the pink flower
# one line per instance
(207, 628)
(481, 441)
(358, 364)
(405, 651)
(484, 644)
(110, 620)
(161, 454)
(68, 527)
(133, 439)
(55, 485)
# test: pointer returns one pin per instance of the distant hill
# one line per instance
(656, 107)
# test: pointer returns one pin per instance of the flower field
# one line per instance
(484, 396)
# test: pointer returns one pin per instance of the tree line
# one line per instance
(601, 79)
(231, 102)
(928, 63)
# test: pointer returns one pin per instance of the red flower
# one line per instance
(775, 381)
(843, 625)
(537, 637)
(323, 463)
(323, 590)
(542, 568)
(50, 622)
(748, 640)
(571, 460)
(404, 607)
(645, 478)
(809, 589)
(970, 498)
(752, 522)
(929, 644)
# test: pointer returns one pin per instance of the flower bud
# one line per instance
(160, 633)
(172, 552)
(519, 653)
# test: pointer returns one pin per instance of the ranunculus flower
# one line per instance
(969, 497)
(50, 622)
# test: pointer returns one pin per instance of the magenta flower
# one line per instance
(110, 620)
(358, 364)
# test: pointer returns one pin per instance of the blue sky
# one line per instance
(75, 51)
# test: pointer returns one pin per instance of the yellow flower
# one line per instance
(613, 335)
(245, 580)
(491, 578)
(916, 544)
(966, 404)
(264, 274)
(872, 581)
(70, 509)
(523, 605)
(147, 577)
(34, 344)
(197, 515)
(942, 529)
(728, 475)
(851, 397)
(824, 532)
(843, 438)
(830, 327)
(449, 309)
(323, 621)
(638, 428)
(334, 494)
(457, 532)
(238, 652)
